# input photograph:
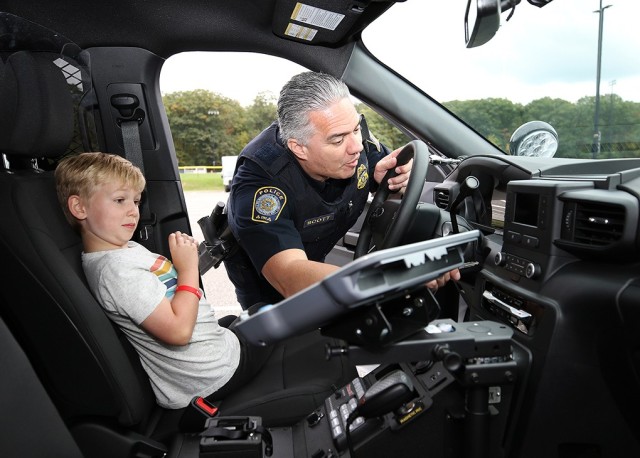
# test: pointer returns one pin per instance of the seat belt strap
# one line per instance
(133, 152)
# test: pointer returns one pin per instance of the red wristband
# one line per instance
(190, 289)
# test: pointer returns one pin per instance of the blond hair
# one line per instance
(81, 174)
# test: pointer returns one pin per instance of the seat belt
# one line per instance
(133, 152)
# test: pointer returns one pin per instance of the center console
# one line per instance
(460, 379)
(439, 388)
(450, 392)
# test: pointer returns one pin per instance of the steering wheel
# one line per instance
(388, 220)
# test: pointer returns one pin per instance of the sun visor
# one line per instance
(324, 21)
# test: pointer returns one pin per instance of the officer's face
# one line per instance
(334, 150)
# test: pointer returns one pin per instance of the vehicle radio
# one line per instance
(533, 220)
(520, 313)
(533, 213)
(516, 264)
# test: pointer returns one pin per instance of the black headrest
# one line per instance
(36, 107)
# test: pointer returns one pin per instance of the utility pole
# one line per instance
(610, 129)
(597, 137)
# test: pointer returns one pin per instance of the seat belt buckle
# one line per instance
(242, 436)
(197, 413)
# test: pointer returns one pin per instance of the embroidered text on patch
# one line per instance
(267, 204)
(318, 220)
(363, 176)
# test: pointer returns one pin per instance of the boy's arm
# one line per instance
(173, 320)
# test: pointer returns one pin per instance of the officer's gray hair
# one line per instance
(304, 93)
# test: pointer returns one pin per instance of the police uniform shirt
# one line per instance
(262, 240)
(262, 212)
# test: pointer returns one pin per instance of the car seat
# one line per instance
(90, 370)
(29, 422)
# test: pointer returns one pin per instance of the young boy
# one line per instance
(156, 302)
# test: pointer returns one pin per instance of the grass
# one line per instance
(201, 181)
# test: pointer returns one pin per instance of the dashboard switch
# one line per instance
(532, 270)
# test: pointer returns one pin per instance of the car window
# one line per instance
(239, 76)
(540, 65)
(216, 102)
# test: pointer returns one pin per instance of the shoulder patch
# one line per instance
(268, 203)
(363, 176)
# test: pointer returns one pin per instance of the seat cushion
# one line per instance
(31, 426)
(295, 380)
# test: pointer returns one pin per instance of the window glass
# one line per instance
(540, 65)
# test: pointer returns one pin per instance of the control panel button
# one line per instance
(530, 241)
(513, 236)
(532, 270)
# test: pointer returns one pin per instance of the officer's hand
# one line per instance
(399, 182)
(454, 275)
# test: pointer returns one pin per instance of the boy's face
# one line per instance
(109, 217)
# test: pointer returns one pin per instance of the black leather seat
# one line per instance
(91, 372)
(29, 422)
(93, 378)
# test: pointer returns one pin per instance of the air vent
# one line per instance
(598, 224)
(441, 197)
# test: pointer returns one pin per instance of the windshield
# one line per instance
(541, 65)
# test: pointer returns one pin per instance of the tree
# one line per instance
(382, 129)
(562, 115)
(261, 113)
(496, 119)
(205, 126)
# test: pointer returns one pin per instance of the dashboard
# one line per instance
(546, 361)
(560, 266)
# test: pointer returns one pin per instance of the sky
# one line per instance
(430, 51)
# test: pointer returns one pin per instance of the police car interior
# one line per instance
(535, 352)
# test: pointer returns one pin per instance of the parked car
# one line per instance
(228, 168)
(535, 352)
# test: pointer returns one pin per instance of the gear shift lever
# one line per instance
(387, 394)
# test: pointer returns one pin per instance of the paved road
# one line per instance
(218, 288)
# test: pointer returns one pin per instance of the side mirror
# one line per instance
(534, 139)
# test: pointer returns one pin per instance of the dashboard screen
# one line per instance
(526, 206)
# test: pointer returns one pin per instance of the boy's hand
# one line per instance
(184, 255)
(173, 320)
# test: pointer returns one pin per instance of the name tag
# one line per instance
(316, 220)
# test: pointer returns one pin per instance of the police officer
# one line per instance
(299, 186)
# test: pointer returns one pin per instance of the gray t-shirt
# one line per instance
(129, 283)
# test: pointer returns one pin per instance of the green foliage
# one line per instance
(619, 123)
(206, 126)
(382, 129)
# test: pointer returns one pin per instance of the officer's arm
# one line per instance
(290, 271)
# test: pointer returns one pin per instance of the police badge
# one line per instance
(267, 204)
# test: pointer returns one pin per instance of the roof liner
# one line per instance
(167, 27)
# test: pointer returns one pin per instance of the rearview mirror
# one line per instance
(481, 21)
